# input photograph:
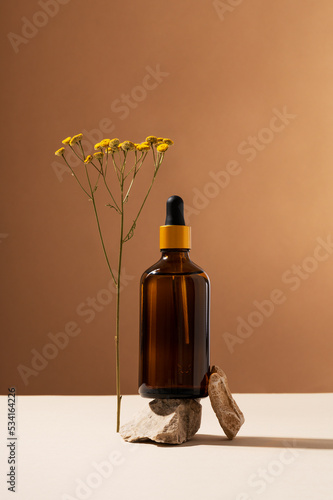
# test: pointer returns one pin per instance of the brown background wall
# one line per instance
(226, 74)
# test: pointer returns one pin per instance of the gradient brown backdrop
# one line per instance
(227, 71)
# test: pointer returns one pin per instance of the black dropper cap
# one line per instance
(175, 211)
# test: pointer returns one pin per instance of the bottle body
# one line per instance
(174, 328)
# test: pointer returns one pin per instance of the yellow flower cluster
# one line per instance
(114, 145)
(69, 141)
(110, 144)
(159, 141)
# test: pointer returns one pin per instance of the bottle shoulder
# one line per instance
(162, 267)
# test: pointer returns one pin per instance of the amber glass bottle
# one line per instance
(174, 317)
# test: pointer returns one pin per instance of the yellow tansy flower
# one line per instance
(162, 148)
(97, 146)
(143, 147)
(60, 152)
(104, 143)
(67, 140)
(151, 139)
(112, 150)
(114, 143)
(76, 138)
(88, 159)
(160, 139)
(127, 146)
(169, 142)
(99, 155)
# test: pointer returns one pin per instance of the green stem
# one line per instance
(118, 299)
(134, 174)
(116, 169)
(141, 159)
(152, 147)
(76, 177)
(130, 186)
(144, 201)
(134, 166)
(95, 187)
(114, 201)
(106, 162)
(99, 227)
(123, 167)
(98, 170)
(76, 152)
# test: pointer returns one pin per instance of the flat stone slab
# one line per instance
(171, 421)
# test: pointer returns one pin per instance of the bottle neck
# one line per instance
(175, 255)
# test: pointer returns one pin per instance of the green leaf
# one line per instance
(112, 206)
(130, 233)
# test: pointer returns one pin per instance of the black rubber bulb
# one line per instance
(175, 211)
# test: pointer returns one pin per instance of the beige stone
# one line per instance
(171, 421)
(228, 413)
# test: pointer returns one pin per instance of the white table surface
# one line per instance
(284, 451)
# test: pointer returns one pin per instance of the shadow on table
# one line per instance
(260, 442)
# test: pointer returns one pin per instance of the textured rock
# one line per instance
(229, 415)
(172, 421)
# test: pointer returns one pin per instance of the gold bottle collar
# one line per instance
(175, 237)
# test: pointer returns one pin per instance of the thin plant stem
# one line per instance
(95, 187)
(145, 198)
(118, 297)
(123, 166)
(142, 157)
(116, 169)
(98, 170)
(130, 186)
(134, 175)
(106, 162)
(134, 166)
(107, 187)
(76, 152)
(99, 227)
(152, 147)
(73, 173)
